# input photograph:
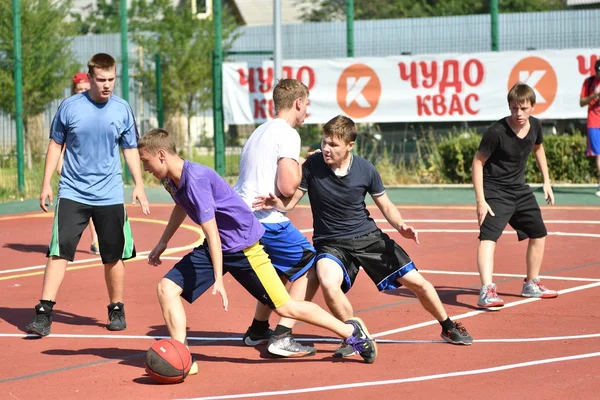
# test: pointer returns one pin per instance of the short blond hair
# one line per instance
(157, 139)
(340, 127)
(286, 92)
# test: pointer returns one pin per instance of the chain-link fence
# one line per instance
(327, 40)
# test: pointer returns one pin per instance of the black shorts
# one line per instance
(381, 258)
(517, 207)
(111, 223)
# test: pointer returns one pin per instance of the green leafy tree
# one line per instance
(185, 45)
(47, 60)
(335, 10)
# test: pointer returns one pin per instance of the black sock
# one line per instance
(447, 324)
(47, 305)
(259, 326)
(280, 330)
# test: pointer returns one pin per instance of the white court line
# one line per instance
(558, 278)
(142, 254)
(477, 312)
(474, 221)
(402, 380)
(376, 335)
(574, 234)
(311, 340)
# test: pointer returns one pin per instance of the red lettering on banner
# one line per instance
(478, 70)
(261, 80)
(247, 79)
(431, 74)
(455, 106)
(259, 111)
(262, 107)
(468, 107)
(412, 75)
(306, 75)
(472, 74)
(441, 105)
(585, 69)
(265, 80)
(422, 107)
(450, 78)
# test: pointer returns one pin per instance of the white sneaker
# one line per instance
(535, 288)
(488, 297)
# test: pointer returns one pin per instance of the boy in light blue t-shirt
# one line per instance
(91, 126)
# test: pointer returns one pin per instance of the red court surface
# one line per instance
(531, 349)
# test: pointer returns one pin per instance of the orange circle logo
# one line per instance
(539, 74)
(358, 91)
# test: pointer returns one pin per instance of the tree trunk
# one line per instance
(36, 139)
(175, 125)
(190, 144)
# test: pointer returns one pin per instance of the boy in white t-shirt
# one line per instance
(271, 163)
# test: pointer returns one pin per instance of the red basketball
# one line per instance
(168, 361)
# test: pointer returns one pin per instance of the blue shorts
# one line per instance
(251, 267)
(289, 250)
(593, 142)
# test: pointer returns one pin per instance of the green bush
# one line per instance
(567, 162)
(565, 154)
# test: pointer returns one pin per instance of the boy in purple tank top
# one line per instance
(232, 245)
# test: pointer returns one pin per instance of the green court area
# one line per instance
(579, 195)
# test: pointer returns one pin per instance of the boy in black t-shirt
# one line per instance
(346, 237)
(503, 197)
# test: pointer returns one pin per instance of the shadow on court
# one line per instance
(36, 248)
(19, 317)
(130, 357)
(27, 248)
(449, 295)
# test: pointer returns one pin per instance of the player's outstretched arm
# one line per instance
(392, 215)
(132, 158)
(283, 204)
(540, 157)
(211, 231)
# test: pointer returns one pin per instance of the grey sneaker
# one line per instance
(344, 351)
(535, 288)
(286, 346)
(41, 322)
(457, 335)
(361, 341)
(116, 317)
(252, 338)
(488, 297)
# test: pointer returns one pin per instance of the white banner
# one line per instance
(445, 87)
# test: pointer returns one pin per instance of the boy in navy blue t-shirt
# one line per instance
(346, 237)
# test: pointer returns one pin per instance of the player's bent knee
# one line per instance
(288, 310)
(167, 289)
(415, 282)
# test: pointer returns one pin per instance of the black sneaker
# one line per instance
(116, 317)
(361, 340)
(457, 335)
(344, 351)
(41, 323)
(252, 338)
